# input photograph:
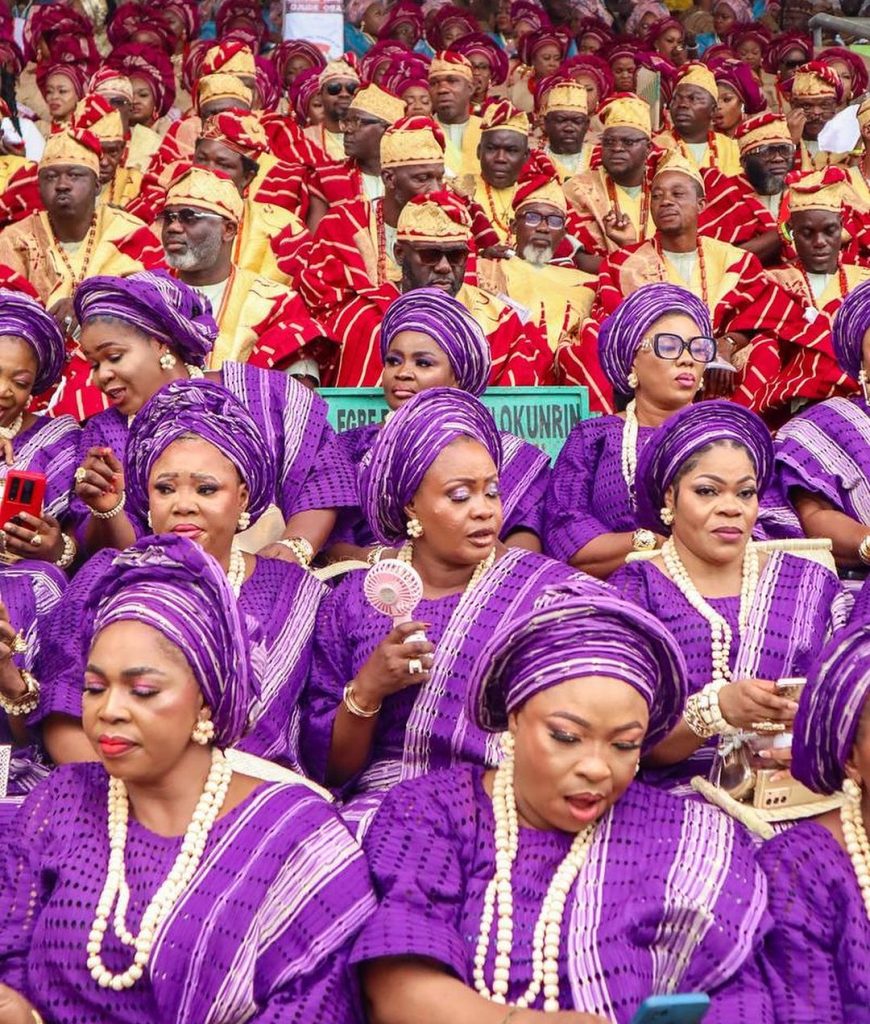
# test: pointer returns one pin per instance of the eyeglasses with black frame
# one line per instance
(671, 346)
(185, 216)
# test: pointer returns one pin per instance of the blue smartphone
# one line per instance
(680, 1009)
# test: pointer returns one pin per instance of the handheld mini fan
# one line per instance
(394, 588)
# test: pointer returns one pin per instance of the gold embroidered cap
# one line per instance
(96, 114)
(675, 161)
(437, 218)
(816, 79)
(504, 116)
(448, 62)
(700, 75)
(539, 183)
(232, 58)
(220, 86)
(626, 110)
(765, 129)
(338, 69)
(375, 102)
(72, 147)
(569, 97)
(410, 141)
(816, 190)
(206, 190)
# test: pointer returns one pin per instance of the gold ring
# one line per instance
(81, 474)
(19, 644)
(36, 540)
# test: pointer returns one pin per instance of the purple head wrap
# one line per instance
(407, 445)
(453, 329)
(157, 304)
(209, 411)
(681, 436)
(479, 44)
(303, 90)
(23, 317)
(830, 708)
(172, 585)
(573, 631)
(851, 323)
(640, 10)
(623, 331)
(737, 74)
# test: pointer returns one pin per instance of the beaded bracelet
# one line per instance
(28, 702)
(68, 555)
(702, 713)
(301, 548)
(356, 709)
(116, 511)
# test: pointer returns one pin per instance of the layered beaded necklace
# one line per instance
(236, 571)
(192, 848)
(547, 936)
(14, 427)
(712, 149)
(381, 240)
(841, 281)
(855, 835)
(702, 266)
(720, 630)
(406, 554)
(629, 450)
(501, 222)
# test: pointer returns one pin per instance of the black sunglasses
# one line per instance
(186, 217)
(432, 257)
(337, 88)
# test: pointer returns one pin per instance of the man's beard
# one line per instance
(536, 256)
(764, 183)
(196, 257)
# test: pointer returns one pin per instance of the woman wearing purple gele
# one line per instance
(817, 956)
(823, 454)
(159, 884)
(143, 331)
(556, 887)
(743, 618)
(656, 347)
(429, 340)
(378, 709)
(196, 467)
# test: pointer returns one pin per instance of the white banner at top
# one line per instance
(318, 21)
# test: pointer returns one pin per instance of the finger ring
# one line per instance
(81, 474)
(36, 540)
(769, 727)
(415, 666)
(19, 644)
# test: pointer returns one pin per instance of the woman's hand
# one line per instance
(387, 669)
(12, 685)
(14, 1008)
(101, 485)
(747, 701)
(24, 529)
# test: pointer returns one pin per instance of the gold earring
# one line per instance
(633, 381)
(666, 515)
(167, 361)
(414, 529)
(203, 731)
(244, 521)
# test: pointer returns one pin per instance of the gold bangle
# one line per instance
(356, 709)
(116, 511)
(302, 549)
(27, 702)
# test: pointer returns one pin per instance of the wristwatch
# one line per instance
(643, 540)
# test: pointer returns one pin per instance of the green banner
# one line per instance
(542, 415)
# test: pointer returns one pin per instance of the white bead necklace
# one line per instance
(406, 554)
(629, 450)
(14, 427)
(720, 631)
(855, 835)
(192, 847)
(236, 571)
(547, 935)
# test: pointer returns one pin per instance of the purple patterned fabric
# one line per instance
(681, 436)
(453, 329)
(816, 960)
(861, 608)
(588, 496)
(25, 318)
(49, 446)
(622, 332)
(408, 444)
(575, 631)
(798, 605)
(850, 325)
(420, 728)
(261, 934)
(156, 303)
(523, 482)
(826, 451)
(209, 411)
(675, 907)
(312, 471)
(170, 584)
(278, 604)
(830, 709)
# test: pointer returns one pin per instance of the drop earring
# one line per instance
(414, 529)
(148, 519)
(244, 521)
(167, 361)
(633, 381)
(667, 515)
(203, 731)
